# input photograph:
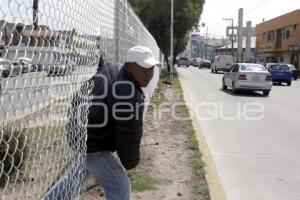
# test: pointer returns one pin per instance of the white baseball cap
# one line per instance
(142, 56)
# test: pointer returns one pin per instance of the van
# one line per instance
(221, 63)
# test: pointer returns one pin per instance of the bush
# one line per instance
(14, 152)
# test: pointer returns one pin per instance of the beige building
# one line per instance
(278, 39)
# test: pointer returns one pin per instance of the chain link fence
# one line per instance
(48, 51)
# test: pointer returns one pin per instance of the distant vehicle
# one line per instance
(60, 68)
(247, 76)
(281, 74)
(24, 60)
(221, 63)
(267, 65)
(15, 69)
(36, 68)
(183, 61)
(3, 66)
(4, 71)
(293, 70)
(205, 63)
(196, 62)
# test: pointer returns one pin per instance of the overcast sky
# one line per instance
(254, 10)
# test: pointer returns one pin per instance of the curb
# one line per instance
(216, 189)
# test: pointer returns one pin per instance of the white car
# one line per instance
(248, 76)
(294, 71)
(183, 61)
(196, 62)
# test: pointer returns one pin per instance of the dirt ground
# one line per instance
(165, 155)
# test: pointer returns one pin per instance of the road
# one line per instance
(256, 153)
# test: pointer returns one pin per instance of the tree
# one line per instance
(156, 15)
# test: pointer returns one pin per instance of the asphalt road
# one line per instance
(254, 140)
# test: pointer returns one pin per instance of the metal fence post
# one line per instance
(116, 31)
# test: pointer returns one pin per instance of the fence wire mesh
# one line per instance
(48, 51)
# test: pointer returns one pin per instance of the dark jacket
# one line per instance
(115, 116)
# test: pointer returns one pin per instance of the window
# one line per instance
(287, 34)
(183, 58)
(279, 67)
(270, 36)
(19, 29)
(232, 68)
(288, 31)
(256, 68)
(264, 36)
(235, 68)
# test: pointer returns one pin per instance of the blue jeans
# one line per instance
(108, 172)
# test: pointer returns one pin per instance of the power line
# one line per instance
(264, 2)
(246, 12)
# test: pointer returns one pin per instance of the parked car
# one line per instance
(196, 62)
(3, 65)
(60, 68)
(37, 68)
(15, 69)
(221, 63)
(24, 60)
(205, 63)
(4, 72)
(183, 61)
(281, 74)
(247, 76)
(294, 71)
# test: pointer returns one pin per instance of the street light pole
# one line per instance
(172, 39)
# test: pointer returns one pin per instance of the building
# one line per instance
(209, 47)
(203, 47)
(195, 41)
(278, 39)
(227, 50)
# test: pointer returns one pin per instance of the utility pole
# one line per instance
(206, 38)
(232, 33)
(35, 13)
(240, 36)
(172, 38)
(117, 31)
(248, 42)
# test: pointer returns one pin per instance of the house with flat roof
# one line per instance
(278, 39)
